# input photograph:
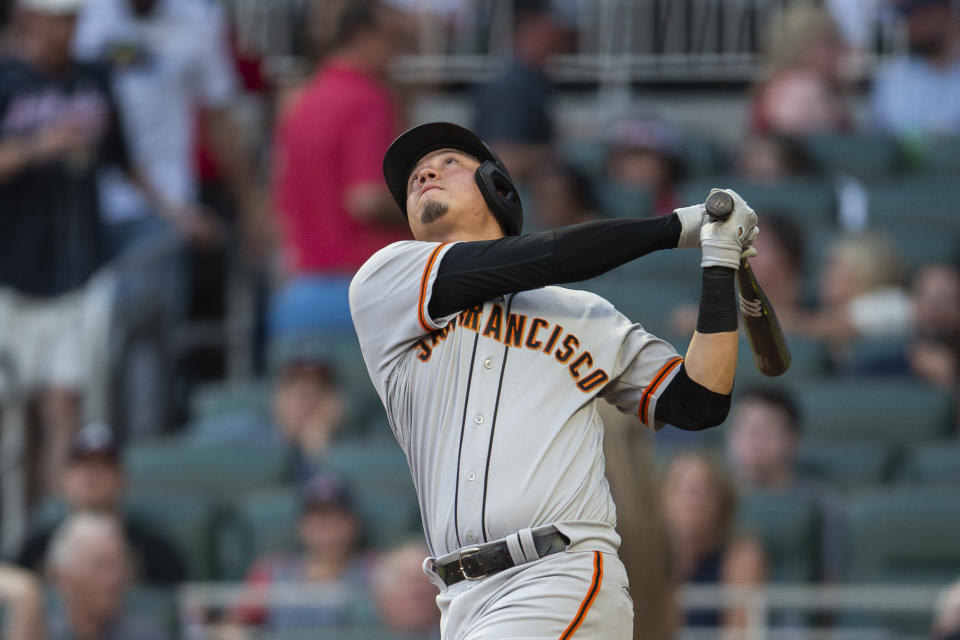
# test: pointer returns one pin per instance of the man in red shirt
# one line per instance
(335, 210)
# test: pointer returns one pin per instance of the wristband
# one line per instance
(718, 301)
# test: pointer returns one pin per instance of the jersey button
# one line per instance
(471, 476)
(478, 419)
(470, 536)
(488, 364)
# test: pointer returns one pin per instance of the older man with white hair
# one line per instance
(89, 567)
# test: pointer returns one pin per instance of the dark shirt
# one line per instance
(515, 107)
(49, 211)
(156, 561)
(706, 572)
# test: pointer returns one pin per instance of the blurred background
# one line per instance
(190, 446)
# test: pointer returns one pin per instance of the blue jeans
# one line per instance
(309, 303)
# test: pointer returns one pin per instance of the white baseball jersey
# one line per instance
(495, 406)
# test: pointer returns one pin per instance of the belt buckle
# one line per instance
(469, 551)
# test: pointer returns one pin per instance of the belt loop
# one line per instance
(516, 550)
(526, 543)
(433, 575)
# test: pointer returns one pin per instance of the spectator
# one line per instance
(58, 128)
(918, 94)
(328, 183)
(562, 195)
(769, 158)
(934, 350)
(645, 154)
(763, 442)
(21, 600)
(309, 407)
(946, 624)
(169, 59)
(329, 532)
(803, 90)
(860, 295)
(406, 600)
(700, 506)
(89, 568)
(514, 111)
(93, 481)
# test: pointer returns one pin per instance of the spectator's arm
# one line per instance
(22, 598)
(744, 565)
(371, 202)
(54, 141)
(366, 197)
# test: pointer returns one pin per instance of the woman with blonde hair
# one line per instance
(803, 90)
(700, 503)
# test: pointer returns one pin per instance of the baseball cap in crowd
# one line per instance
(303, 353)
(323, 491)
(57, 7)
(94, 440)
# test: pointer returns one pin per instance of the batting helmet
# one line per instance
(491, 176)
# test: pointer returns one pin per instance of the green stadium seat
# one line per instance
(647, 301)
(217, 399)
(903, 535)
(680, 267)
(808, 360)
(922, 245)
(864, 156)
(188, 519)
(700, 156)
(885, 410)
(788, 526)
(932, 463)
(854, 463)
(914, 200)
(622, 201)
(220, 471)
(942, 157)
(267, 519)
(811, 201)
(878, 356)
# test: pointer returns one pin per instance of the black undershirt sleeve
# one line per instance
(690, 406)
(474, 272)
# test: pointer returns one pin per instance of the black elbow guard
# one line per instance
(690, 406)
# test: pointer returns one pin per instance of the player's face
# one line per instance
(442, 195)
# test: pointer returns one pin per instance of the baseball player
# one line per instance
(490, 376)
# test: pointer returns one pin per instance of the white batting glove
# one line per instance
(722, 241)
(691, 218)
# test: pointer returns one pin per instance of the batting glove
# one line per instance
(723, 241)
(691, 218)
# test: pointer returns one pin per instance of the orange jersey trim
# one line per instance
(588, 599)
(654, 384)
(423, 286)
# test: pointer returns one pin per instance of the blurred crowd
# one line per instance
(149, 210)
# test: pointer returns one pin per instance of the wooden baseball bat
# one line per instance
(767, 343)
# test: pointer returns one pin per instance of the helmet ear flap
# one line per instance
(501, 196)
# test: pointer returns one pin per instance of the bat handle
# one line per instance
(719, 204)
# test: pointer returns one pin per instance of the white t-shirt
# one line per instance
(495, 407)
(166, 66)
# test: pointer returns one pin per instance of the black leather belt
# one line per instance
(473, 563)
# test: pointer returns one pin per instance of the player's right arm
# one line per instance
(473, 272)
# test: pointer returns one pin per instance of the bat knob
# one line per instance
(719, 205)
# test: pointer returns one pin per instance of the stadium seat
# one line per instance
(812, 202)
(188, 519)
(878, 356)
(932, 463)
(680, 267)
(903, 535)
(701, 156)
(808, 360)
(919, 245)
(268, 521)
(252, 396)
(885, 410)
(622, 201)
(588, 156)
(218, 471)
(787, 525)
(914, 200)
(646, 301)
(154, 604)
(863, 156)
(853, 463)
(942, 157)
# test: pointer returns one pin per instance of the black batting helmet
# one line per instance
(491, 176)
